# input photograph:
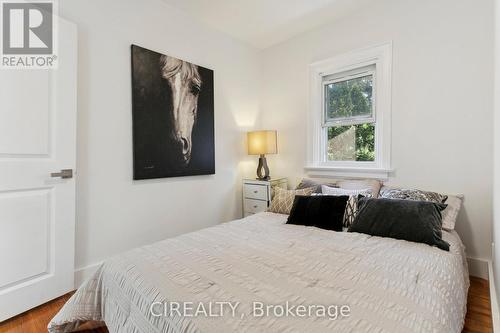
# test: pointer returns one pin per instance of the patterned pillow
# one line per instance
(283, 199)
(412, 194)
(351, 209)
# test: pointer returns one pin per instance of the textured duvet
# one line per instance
(388, 285)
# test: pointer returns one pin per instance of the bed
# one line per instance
(389, 285)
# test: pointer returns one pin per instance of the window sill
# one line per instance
(345, 172)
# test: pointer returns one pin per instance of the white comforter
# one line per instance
(389, 285)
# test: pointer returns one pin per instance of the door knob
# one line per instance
(64, 174)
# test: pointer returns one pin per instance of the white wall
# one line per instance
(441, 102)
(442, 118)
(496, 165)
(115, 213)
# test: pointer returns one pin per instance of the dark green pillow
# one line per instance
(414, 221)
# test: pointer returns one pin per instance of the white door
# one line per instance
(37, 211)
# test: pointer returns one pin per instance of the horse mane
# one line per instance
(170, 66)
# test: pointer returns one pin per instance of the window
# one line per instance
(349, 118)
(350, 113)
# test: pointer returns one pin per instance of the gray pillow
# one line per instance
(414, 221)
(307, 183)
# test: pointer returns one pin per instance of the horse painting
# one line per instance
(173, 116)
(185, 85)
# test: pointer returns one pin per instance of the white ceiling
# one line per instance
(263, 23)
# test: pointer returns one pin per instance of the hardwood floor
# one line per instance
(478, 319)
(37, 319)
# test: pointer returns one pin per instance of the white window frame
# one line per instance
(381, 57)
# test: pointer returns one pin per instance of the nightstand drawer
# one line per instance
(251, 191)
(257, 194)
(254, 206)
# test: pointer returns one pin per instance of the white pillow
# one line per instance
(450, 214)
(341, 191)
(357, 184)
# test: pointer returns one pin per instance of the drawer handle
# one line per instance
(255, 206)
(255, 191)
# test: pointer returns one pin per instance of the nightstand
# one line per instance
(257, 194)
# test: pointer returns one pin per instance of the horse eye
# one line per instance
(195, 89)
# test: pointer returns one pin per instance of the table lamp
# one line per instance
(262, 143)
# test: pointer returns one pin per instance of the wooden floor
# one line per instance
(478, 319)
(37, 319)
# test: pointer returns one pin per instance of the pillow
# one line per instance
(411, 194)
(450, 214)
(357, 184)
(367, 192)
(307, 182)
(414, 221)
(351, 208)
(326, 212)
(283, 199)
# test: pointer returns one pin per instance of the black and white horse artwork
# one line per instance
(173, 116)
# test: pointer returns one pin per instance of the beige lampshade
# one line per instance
(262, 142)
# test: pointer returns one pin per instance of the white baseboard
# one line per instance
(84, 273)
(478, 268)
(495, 312)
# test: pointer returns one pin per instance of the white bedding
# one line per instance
(389, 285)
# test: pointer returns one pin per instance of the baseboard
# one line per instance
(495, 312)
(478, 267)
(84, 273)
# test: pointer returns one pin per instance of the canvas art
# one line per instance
(173, 116)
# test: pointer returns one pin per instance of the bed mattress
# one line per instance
(262, 267)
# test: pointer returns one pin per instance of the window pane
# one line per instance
(351, 143)
(349, 98)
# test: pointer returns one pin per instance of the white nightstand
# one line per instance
(257, 194)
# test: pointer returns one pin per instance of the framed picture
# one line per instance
(173, 116)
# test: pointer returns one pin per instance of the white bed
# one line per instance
(389, 285)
